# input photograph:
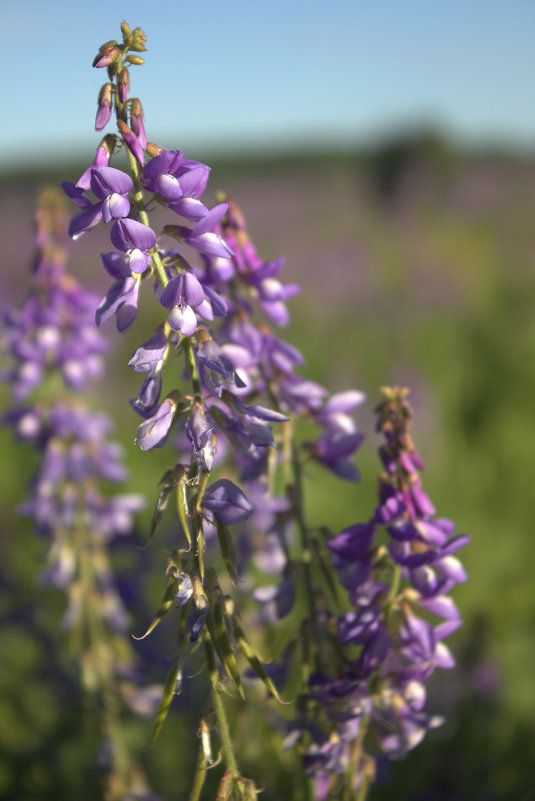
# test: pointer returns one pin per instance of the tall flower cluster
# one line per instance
(55, 351)
(398, 569)
(238, 379)
(224, 392)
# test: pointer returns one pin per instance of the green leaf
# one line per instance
(228, 551)
(200, 551)
(166, 604)
(254, 660)
(173, 681)
(182, 507)
(159, 509)
(219, 634)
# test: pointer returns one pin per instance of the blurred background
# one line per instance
(388, 150)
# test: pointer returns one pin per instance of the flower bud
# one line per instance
(104, 107)
(154, 150)
(138, 40)
(136, 121)
(132, 142)
(108, 54)
(153, 431)
(125, 30)
(108, 145)
(124, 84)
(135, 59)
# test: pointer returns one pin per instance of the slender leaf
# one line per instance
(228, 551)
(173, 681)
(159, 509)
(165, 606)
(254, 660)
(182, 507)
(200, 551)
(219, 634)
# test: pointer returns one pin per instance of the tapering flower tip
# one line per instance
(107, 54)
(104, 107)
(153, 432)
(136, 122)
(126, 31)
(228, 502)
(132, 142)
(124, 84)
(154, 150)
(147, 357)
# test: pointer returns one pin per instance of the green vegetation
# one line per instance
(417, 269)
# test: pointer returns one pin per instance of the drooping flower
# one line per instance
(228, 502)
(154, 430)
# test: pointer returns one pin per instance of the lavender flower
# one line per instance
(379, 696)
(53, 336)
(233, 403)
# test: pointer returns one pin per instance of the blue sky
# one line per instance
(271, 75)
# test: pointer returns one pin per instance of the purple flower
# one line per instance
(203, 237)
(135, 239)
(121, 300)
(214, 367)
(183, 295)
(180, 181)
(334, 451)
(149, 355)
(227, 502)
(199, 432)
(136, 145)
(111, 186)
(153, 431)
(104, 107)
(148, 397)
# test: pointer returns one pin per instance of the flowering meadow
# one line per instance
(265, 474)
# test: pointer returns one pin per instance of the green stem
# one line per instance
(306, 553)
(192, 365)
(221, 717)
(394, 588)
(200, 776)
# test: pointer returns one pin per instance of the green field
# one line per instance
(416, 269)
